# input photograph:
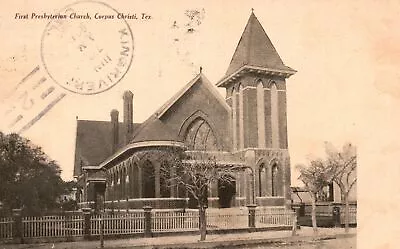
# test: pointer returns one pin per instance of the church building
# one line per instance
(246, 128)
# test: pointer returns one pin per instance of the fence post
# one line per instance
(336, 215)
(147, 221)
(87, 212)
(102, 229)
(68, 225)
(294, 225)
(252, 216)
(18, 226)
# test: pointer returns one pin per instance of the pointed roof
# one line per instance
(255, 50)
(199, 78)
(153, 129)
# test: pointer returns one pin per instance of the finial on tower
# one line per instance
(201, 69)
(252, 10)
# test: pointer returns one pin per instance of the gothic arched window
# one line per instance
(262, 179)
(274, 180)
(200, 136)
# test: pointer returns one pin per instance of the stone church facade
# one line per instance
(247, 128)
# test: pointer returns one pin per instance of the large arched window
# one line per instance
(200, 136)
(260, 114)
(274, 116)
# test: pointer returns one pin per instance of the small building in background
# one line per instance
(327, 200)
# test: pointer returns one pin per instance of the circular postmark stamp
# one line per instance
(88, 51)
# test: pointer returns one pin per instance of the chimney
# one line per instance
(115, 130)
(128, 115)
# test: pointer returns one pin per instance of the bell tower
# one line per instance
(256, 91)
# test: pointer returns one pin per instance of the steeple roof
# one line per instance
(255, 49)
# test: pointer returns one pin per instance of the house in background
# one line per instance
(329, 199)
(330, 193)
(246, 128)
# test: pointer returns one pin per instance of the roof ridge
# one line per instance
(160, 111)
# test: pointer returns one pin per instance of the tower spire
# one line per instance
(255, 49)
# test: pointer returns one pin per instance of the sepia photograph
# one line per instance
(177, 124)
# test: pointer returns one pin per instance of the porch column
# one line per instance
(107, 192)
(174, 187)
(249, 193)
(121, 184)
(237, 188)
(127, 184)
(117, 184)
(268, 181)
(257, 179)
(157, 178)
(115, 187)
(140, 183)
(131, 181)
(243, 188)
(250, 159)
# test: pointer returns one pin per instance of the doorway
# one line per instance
(226, 192)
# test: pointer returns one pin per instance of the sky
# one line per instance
(347, 54)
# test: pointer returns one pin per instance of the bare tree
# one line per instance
(343, 166)
(315, 177)
(195, 175)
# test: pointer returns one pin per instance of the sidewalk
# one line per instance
(192, 241)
